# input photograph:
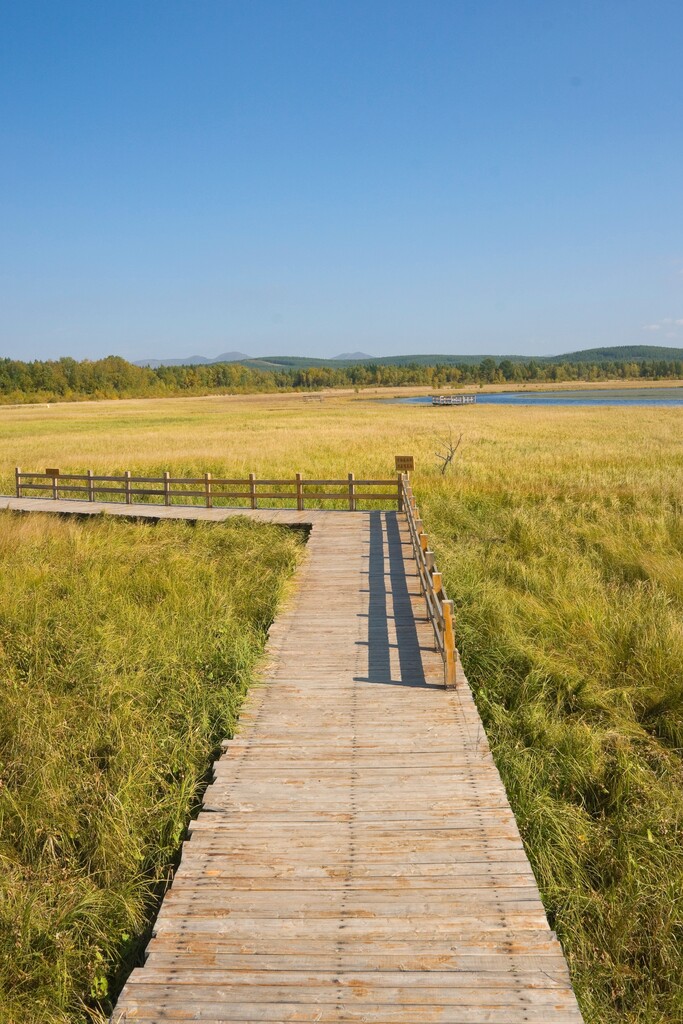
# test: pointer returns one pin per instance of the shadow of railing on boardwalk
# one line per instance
(385, 602)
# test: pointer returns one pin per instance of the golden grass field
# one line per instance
(560, 535)
(613, 450)
(124, 658)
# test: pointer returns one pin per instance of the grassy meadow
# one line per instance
(559, 532)
(125, 650)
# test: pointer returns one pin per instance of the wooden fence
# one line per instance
(128, 488)
(439, 608)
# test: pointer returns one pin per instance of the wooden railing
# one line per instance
(128, 488)
(439, 608)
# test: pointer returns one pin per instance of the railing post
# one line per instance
(424, 543)
(400, 492)
(352, 493)
(299, 493)
(437, 581)
(91, 486)
(448, 644)
(128, 492)
(252, 489)
(167, 488)
(429, 559)
(207, 490)
(55, 493)
(17, 481)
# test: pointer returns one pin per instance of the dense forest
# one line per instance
(70, 380)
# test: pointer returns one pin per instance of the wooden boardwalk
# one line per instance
(356, 858)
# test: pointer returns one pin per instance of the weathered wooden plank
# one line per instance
(185, 956)
(231, 1012)
(473, 942)
(229, 990)
(280, 871)
(535, 981)
(338, 905)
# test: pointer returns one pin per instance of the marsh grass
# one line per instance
(125, 651)
(559, 533)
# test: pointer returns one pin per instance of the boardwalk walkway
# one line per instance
(356, 858)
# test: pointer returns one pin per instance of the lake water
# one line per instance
(614, 396)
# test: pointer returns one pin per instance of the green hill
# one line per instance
(617, 353)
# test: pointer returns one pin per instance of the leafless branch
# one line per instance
(448, 449)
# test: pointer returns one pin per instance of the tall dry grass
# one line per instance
(125, 650)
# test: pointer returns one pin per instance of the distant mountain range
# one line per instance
(227, 357)
(617, 353)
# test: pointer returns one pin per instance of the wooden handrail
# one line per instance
(208, 488)
(439, 608)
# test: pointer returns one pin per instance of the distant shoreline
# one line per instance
(372, 393)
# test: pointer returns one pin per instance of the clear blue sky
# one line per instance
(500, 176)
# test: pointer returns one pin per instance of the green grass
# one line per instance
(570, 628)
(125, 650)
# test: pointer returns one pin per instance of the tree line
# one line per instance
(73, 380)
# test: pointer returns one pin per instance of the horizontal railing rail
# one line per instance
(439, 607)
(128, 488)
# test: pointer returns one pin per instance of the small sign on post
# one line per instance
(51, 472)
(405, 463)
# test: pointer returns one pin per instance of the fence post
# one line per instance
(448, 644)
(91, 486)
(352, 493)
(17, 481)
(299, 493)
(128, 493)
(437, 581)
(207, 490)
(167, 488)
(424, 543)
(55, 493)
(400, 492)
(429, 559)
(252, 490)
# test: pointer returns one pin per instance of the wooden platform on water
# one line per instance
(356, 858)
